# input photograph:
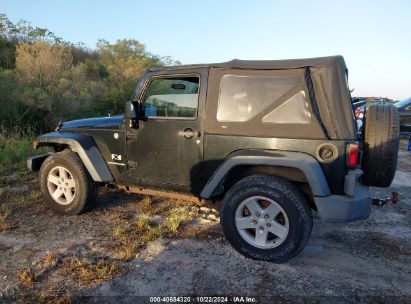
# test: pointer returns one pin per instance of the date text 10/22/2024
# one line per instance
(203, 299)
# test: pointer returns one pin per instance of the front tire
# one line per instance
(266, 218)
(66, 185)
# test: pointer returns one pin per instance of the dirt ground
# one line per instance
(130, 246)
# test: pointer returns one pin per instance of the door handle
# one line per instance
(189, 133)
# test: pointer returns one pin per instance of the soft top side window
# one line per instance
(243, 97)
(171, 96)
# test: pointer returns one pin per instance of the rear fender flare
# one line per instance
(304, 162)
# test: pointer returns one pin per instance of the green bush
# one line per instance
(15, 148)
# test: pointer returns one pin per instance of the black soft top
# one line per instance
(323, 79)
(264, 64)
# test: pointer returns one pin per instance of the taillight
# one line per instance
(352, 155)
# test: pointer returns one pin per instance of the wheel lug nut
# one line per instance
(254, 222)
(268, 225)
(257, 214)
(261, 228)
(266, 216)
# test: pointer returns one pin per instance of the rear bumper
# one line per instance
(34, 162)
(344, 208)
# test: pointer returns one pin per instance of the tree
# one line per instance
(23, 31)
(40, 64)
(44, 80)
(124, 62)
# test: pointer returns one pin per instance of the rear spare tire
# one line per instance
(381, 143)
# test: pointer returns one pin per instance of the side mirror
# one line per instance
(130, 114)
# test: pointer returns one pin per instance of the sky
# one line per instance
(373, 36)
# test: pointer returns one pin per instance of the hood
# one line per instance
(94, 123)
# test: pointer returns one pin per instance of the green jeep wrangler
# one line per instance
(274, 141)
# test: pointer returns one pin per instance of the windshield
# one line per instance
(402, 103)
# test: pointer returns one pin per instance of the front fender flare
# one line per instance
(85, 147)
(304, 162)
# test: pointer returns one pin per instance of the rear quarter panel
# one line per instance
(219, 147)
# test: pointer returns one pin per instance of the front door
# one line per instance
(167, 148)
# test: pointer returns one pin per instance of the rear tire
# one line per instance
(380, 145)
(66, 185)
(278, 222)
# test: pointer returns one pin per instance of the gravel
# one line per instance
(365, 261)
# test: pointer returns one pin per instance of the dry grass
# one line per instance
(11, 201)
(145, 204)
(26, 277)
(152, 234)
(83, 271)
(164, 205)
(120, 231)
(5, 212)
(142, 224)
(88, 271)
(50, 259)
(131, 238)
(60, 299)
(175, 218)
(127, 251)
(34, 195)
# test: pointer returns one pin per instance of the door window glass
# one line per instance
(171, 97)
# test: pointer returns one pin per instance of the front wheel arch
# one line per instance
(84, 146)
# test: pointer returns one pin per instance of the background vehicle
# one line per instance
(273, 140)
(360, 104)
(359, 108)
(404, 110)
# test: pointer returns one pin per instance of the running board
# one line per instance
(173, 195)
